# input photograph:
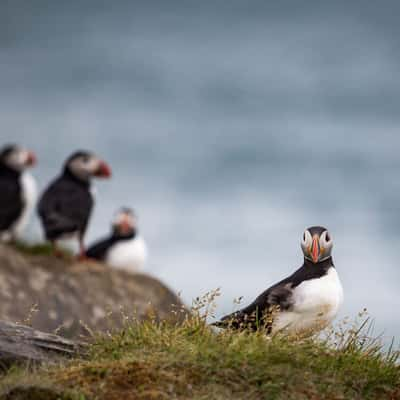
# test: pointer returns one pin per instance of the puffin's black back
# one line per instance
(99, 250)
(11, 202)
(65, 206)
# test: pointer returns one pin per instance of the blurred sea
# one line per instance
(230, 127)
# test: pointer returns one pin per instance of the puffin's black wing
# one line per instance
(98, 250)
(11, 203)
(259, 314)
(65, 207)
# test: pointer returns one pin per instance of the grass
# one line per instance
(39, 249)
(150, 360)
(34, 248)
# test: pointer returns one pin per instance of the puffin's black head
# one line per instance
(124, 222)
(316, 244)
(85, 165)
(16, 158)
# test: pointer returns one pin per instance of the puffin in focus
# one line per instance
(18, 191)
(305, 302)
(66, 205)
(124, 248)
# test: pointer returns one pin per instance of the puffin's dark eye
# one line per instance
(327, 237)
(85, 159)
(304, 237)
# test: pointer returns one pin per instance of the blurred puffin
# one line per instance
(306, 301)
(124, 248)
(17, 190)
(65, 206)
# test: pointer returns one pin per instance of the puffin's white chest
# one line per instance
(316, 303)
(29, 196)
(129, 255)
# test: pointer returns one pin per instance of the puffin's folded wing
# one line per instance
(98, 250)
(9, 213)
(259, 314)
(10, 205)
(57, 224)
(241, 319)
(64, 209)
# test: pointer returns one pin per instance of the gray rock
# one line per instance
(22, 344)
(73, 299)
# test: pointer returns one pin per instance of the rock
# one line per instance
(73, 299)
(21, 344)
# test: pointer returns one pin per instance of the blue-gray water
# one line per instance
(230, 127)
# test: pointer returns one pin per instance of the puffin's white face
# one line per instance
(18, 159)
(316, 244)
(124, 222)
(86, 165)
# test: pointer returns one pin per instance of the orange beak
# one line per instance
(125, 227)
(31, 160)
(103, 171)
(315, 251)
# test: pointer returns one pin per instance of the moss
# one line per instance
(21, 384)
(36, 393)
(39, 249)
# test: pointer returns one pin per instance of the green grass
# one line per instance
(38, 249)
(150, 360)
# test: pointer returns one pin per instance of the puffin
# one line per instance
(305, 302)
(66, 205)
(18, 191)
(124, 248)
